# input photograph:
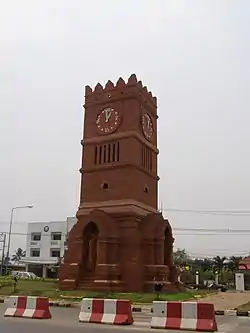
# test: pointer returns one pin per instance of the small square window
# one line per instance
(55, 253)
(35, 252)
(36, 237)
(56, 236)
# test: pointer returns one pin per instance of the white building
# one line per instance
(45, 246)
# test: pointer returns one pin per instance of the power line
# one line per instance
(224, 230)
(195, 230)
(181, 231)
(241, 213)
(193, 254)
(237, 213)
(200, 230)
(178, 233)
(210, 212)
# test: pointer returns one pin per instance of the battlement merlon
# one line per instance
(100, 93)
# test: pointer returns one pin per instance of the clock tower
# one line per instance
(120, 242)
(119, 166)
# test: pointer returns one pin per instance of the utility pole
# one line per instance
(3, 241)
(10, 230)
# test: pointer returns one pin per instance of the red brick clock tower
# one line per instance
(120, 242)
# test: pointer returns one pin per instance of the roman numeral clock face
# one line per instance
(147, 126)
(107, 121)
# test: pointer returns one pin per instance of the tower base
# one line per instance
(118, 253)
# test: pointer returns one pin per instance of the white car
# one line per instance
(25, 275)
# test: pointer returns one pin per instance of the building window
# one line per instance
(35, 252)
(115, 147)
(146, 158)
(100, 155)
(55, 253)
(107, 153)
(96, 152)
(36, 237)
(104, 154)
(56, 236)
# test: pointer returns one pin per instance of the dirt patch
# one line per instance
(227, 300)
(244, 307)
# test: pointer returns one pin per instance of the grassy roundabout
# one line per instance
(49, 288)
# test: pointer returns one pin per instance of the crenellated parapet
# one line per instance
(112, 91)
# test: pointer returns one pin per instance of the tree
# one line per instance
(6, 260)
(219, 263)
(181, 257)
(233, 263)
(207, 264)
(19, 254)
(204, 264)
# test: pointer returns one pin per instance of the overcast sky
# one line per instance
(193, 54)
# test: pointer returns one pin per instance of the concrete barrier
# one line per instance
(106, 311)
(191, 316)
(28, 307)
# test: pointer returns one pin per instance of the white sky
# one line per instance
(194, 55)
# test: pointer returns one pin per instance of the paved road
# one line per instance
(65, 320)
(228, 300)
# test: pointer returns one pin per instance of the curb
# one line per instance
(75, 305)
(237, 313)
(135, 309)
(62, 305)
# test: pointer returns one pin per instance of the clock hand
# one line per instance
(148, 122)
(107, 115)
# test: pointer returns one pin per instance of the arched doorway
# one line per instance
(168, 254)
(90, 243)
(168, 247)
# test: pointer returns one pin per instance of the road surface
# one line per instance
(65, 320)
(228, 300)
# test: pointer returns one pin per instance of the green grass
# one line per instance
(49, 288)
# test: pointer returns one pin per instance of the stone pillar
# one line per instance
(240, 282)
(197, 278)
(102, 252)
(78, 253)
(131, 256)
(101, 266)
(44, 271)
(148, 251)
(159, 252)
(217, 277)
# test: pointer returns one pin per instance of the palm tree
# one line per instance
(19, 254)
(233, 263)
(219, 263)
(206, 264)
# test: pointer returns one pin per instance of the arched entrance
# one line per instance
(168, 247)
(168, 254)
(90, 244)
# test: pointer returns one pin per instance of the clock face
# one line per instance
(147, 126)
(108, 120)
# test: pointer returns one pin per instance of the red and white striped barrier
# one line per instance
(28, 307)
(106, 311)
(191, 316)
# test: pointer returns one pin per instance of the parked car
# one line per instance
(219, 287)
(210, 286)
(25, 275)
